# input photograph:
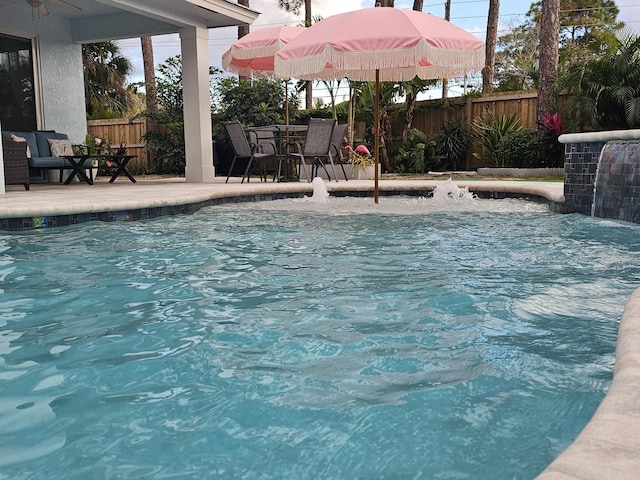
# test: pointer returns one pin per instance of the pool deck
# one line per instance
(52, 199)
(607, 448)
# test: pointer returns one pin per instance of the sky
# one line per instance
(470, 15)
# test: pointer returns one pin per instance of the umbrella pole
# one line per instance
(286, 102)
(376, 142)
(286, 113)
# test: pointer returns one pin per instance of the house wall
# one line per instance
(59, 75)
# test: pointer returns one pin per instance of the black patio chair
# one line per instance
(244, 150)
(265, 142)
(317, 147)
(337, 139)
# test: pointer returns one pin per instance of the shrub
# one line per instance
(452, 144)
(518, 149)
(258, 102)
(418, 154)
(491, 130)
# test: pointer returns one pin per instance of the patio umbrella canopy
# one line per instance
(380, 44)
(253, 55)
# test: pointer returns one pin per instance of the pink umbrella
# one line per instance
(253, 54)
(380, 44)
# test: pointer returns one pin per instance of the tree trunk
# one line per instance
(307, 23)
(445, 81)
(151, 96)
(410, 103)
(490, 45)
(417, 5)
(549, 38)
(242, 31)
(385, 134)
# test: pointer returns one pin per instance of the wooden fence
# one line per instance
(122, 131)
(430, 116)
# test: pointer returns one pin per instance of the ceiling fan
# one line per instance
(41, 5)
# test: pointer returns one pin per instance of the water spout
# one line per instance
(448, 191)
(320, 192)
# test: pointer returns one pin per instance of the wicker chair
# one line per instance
(16, 164)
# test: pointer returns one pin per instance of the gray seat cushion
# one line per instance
(48, 162)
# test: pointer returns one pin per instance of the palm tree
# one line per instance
(605, 91)
(105, 72)
(490, 45)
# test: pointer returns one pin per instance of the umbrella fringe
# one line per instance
(266, 51)
(442, 63)
(249, 72)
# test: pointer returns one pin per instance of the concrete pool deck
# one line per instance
(607, 448)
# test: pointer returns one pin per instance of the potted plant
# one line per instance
(361, 165)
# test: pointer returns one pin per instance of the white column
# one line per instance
(197, 105)
(2, 189)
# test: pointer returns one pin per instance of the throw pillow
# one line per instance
(16, 138)
(60, 148)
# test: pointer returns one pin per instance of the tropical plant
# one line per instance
(490, 130)
(453, 143)
(105, 73)
(604, 93)
(418, 154)
(359, 160)
(365, 112)
(410, 90)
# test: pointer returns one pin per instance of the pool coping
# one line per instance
(57, 206)
(607, 447)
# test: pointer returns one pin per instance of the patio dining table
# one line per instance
(283, 135)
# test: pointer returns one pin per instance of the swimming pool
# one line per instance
(297, 340)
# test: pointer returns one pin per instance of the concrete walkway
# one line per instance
(607, 448)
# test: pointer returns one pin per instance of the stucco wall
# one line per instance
(61, 105)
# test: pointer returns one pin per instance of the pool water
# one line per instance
(292, 339)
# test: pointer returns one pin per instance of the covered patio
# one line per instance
(54, 32)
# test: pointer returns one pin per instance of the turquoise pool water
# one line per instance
(310, 341)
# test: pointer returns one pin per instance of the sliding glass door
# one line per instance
(17, 95)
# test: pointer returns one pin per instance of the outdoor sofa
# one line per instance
(45, 148)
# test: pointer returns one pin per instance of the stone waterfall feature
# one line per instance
(602, 174)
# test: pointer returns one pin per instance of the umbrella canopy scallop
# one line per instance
(400, 44)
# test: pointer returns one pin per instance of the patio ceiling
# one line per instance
(99, 20)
